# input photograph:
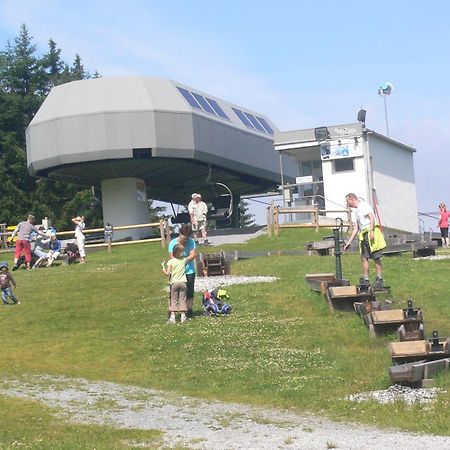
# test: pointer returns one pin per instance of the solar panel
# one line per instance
(264, 123)
(203, 103)
(220, 112)
(254, 122)
(243, 118)
(190, 99)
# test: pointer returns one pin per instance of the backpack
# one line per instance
(214, 304)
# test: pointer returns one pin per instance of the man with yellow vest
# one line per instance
(371, 239)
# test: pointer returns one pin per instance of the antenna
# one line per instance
(383, 91)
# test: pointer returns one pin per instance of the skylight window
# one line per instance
(190, 99)
(254, 122)
(219, 111)
(208, 105)
(264, 123)
(243, 118)
(204, 104)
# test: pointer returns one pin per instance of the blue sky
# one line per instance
(302, 63)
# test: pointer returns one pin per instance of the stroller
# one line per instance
(213, 302)
(72, 252)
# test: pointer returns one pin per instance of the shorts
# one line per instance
(200, 225)
(365, 249)
(444, 232)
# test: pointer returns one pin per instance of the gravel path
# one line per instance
(200, 424)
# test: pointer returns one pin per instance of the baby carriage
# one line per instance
(72, 253)
(214, 302)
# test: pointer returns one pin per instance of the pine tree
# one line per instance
(246, 219)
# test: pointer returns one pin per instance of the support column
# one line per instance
(125, 203)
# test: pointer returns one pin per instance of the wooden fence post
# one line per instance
(316, 217)
(275, 221)
(166, 221)
(162, 232)
(269, 220)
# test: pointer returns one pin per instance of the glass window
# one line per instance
(264, 123)
(190, 99)
(203, 103)
(306, 168)
(343, 165)
(243, 118)
(254, 122)
(219, 111)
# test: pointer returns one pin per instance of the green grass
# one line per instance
(29, 425)
(280, 347)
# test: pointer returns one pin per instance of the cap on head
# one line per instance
(3, 264)
(195, 195)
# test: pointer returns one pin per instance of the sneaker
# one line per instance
(183, 319)
(378, 283)
(14, 268)
(171, 320)
(363, 282)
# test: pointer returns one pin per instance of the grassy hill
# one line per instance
(281, 347)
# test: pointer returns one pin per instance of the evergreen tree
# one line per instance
(246, 219)
(25, 80)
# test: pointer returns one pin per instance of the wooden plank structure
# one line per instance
(212, 264)
(320, 282)
(383, 322)
(427, 350)
(419, 373)
(342, 298)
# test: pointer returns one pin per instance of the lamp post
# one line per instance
(384, 90)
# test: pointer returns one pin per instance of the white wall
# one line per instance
(394, 183)
(338, 184)
(125, 203)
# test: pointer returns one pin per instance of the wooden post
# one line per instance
(167, 230)
(269, 220)
(316, 217)
(109, 246)
(162, 231)
(275, 221)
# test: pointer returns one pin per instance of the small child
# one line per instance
(176, 269)
(55, 250)
(6, 279)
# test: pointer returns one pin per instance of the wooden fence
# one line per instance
(274, 212)
(163, 225)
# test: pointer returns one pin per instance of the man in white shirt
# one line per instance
(198, 211)
(370, 244)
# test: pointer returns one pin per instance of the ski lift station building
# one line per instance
(131, 135)
(336, 160)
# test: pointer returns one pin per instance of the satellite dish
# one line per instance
(385, 89)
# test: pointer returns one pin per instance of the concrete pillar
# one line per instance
(125, 203)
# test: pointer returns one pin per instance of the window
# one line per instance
(254, 122)
(264, 123)
(343, 165)
(142, 153)
(208, 105)
(203, 103)
(219, 111)
(243, 118)
(190, 99)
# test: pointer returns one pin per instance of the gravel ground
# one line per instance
(200, 424)
(208, 283)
